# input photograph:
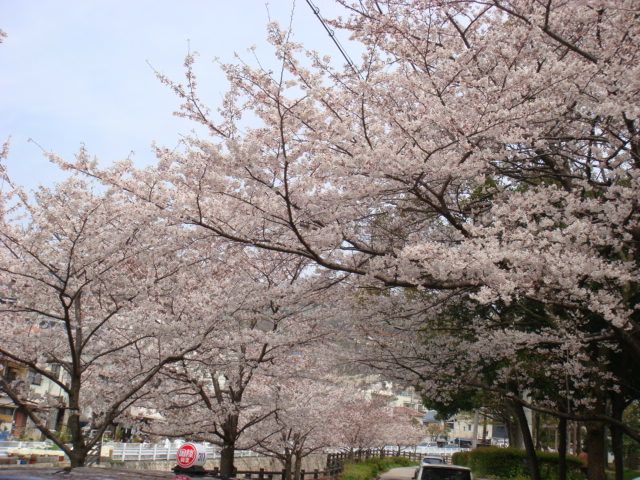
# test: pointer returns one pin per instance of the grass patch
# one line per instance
(368, 469)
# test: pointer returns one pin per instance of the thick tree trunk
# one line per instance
(297, 466)
(287, 464)
(537, 426)
(617, 446)
(595, 451)
(79, 453)
(77, 458)
(474, 440)
(562, 449)
(514, 432)
(227, 455)
(532, 458)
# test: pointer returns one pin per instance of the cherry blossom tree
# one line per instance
(91, 305)
(265, 321)
(402, 429)
(482, 153)
(304, 418)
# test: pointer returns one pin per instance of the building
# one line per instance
(395, 396)
(461, 427)
(14, 420)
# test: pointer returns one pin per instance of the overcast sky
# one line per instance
(75, 71)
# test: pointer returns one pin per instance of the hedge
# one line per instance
(370, 468)
(510, 463)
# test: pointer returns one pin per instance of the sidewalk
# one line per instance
(401, 473)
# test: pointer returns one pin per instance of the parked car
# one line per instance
(461, 442)
(443, 472)
(433, 460)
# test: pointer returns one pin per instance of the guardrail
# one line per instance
(5, 445)
(126, 452)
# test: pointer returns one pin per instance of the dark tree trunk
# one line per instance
(562, 449)
(79, 453)
(617, 409)
(228, 452)
(297, 466)
(514, 432)
(595, 451)
(77, 458)
(537, 421)
(532, 458)
(287, 464)
(227, 455)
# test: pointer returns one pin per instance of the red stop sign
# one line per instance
(187, 455)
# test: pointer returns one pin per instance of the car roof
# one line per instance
(446, 467)
(89, 473)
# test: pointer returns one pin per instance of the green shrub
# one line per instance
(511, 463)
(368, 469)
(460, 458)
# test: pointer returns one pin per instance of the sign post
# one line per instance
(191, 458)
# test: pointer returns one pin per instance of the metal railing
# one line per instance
(126, 452)
(5, 445)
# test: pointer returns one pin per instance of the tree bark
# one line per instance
(515, 433)
(227, 455)
(532, 458)
(562, 449)
(474, 440)
(79, 453)
(617, 409)
(595, 451)
(297, 466)
(287, 464)
(77, 458)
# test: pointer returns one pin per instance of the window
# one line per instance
(55, 370)
(444, 473)
(10, 374)
(34, 378)
(6, 411)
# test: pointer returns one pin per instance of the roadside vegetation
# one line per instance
(368, 469)
(510, 463)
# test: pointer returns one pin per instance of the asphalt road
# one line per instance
(402, 473)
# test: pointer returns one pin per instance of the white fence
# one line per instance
(126, 452)
(437, 451)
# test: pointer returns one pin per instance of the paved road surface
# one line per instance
(402, 473)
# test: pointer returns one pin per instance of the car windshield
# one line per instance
(445, 474)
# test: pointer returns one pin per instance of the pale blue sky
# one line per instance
(75, 71)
